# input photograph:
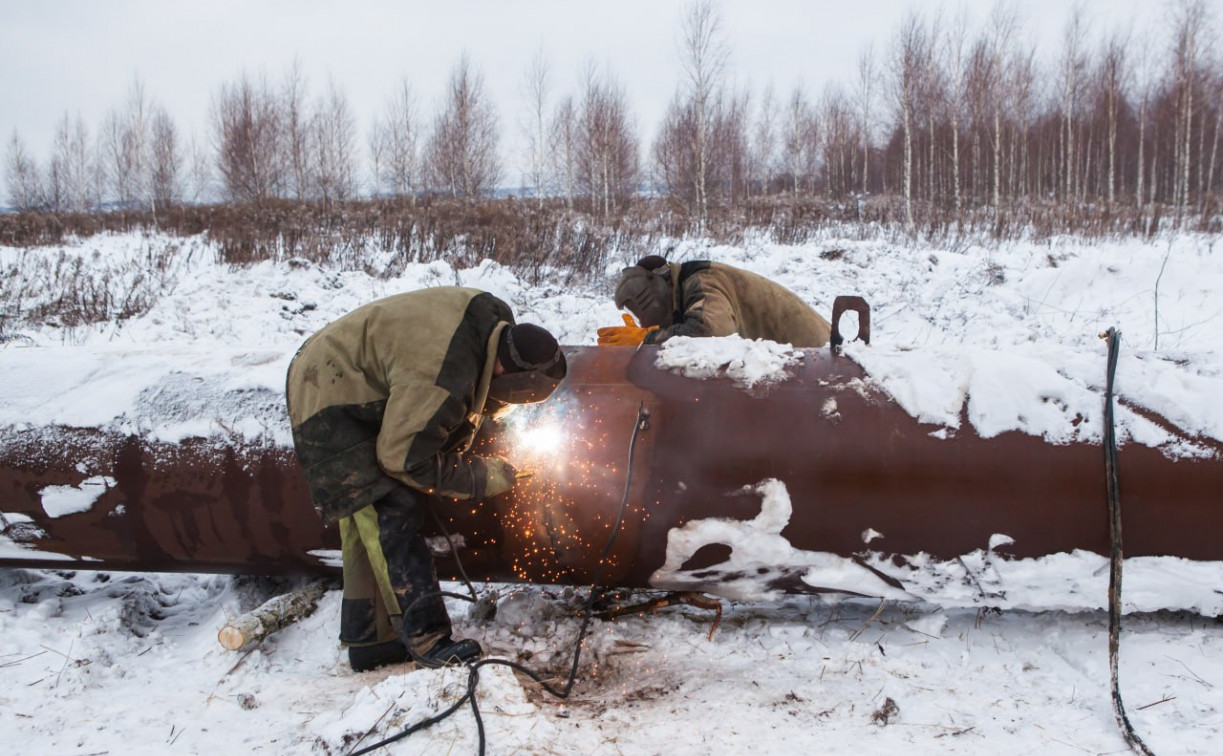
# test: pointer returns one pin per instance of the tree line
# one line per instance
(949, 118)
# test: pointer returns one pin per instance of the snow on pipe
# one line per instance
(815, 483)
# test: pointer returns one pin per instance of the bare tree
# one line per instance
(118, 172)
(246, 123)
(799, 140)
(296, 124)
(955, 55)
(333, 140)
(764, 142)
(125, 146)
(1001, 35)
(1112, 78)
(563, 151)
(1072, 73)
(909, 52)
(1144, 77)
(838, 141)
(704, 58)
(1208, 185)
(728, 162)
(397, 132)
(376, 145)
(199, 169)
(673, 155)
(607, 148)
(69, 179)
(865, 94)
(730, 147)
(1190, 20)
(536, 90)
(22, 176)
(461, 154)
(165, 160)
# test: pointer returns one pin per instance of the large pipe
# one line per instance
(872, 493)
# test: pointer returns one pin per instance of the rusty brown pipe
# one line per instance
(204, 506)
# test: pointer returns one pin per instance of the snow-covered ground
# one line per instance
(119, 663)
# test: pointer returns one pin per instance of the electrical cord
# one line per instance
(473, 674)
(1116, 554)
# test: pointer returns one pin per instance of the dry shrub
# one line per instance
(65, 289)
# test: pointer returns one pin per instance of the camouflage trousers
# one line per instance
(388, 570)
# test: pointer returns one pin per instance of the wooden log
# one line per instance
(271, 616)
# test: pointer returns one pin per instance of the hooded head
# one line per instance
(533, 365)
(645, 290)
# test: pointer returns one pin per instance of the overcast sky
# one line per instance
(81, 56)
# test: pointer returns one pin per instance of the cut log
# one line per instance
(271, 616)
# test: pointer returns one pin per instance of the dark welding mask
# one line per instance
(646, 294)
(526, 382)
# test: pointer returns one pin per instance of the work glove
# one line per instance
(629, 334)
(501, 476)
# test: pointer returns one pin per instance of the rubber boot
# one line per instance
(365, 658)
(447, 652)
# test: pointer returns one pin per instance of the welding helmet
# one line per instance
(533, 362)
(645, 290)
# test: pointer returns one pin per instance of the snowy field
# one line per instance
(97, 663)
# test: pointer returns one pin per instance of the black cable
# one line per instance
(453, 552)
(473, 677)
(1116, 554)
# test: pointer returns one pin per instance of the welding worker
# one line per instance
(702, 298)
(384, 404)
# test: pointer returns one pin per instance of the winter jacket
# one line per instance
(715, 299)
(392, 393)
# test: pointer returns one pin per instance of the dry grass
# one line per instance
(535, 239)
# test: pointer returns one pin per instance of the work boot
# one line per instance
(448, 651)
(365, 658)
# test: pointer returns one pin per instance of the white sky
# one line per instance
(78, 56)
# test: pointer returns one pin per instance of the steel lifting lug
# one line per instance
(858, 305)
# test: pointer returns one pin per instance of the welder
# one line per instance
(385, 403)
(702, 298)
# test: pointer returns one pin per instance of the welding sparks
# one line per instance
(543, 439)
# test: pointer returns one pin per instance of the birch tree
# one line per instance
(248, 138)
(399, 133)
(537, 86)
(165, 160)
(333, 147)
(295, 120)
(865, 95)
(22, 176)
(461, 153)
(908, 52)
(563, 141)
(703, 57)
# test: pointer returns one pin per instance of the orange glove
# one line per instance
(629, 334)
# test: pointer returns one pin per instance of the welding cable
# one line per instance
(1116, 554)
(473, 668)
(471, 589)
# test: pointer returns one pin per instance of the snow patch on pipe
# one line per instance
(760, 557)
(750, 363)
(58, 501)
(1043, 390)
(16, 530)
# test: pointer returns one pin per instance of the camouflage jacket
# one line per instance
(392, 393)
(714, 299)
